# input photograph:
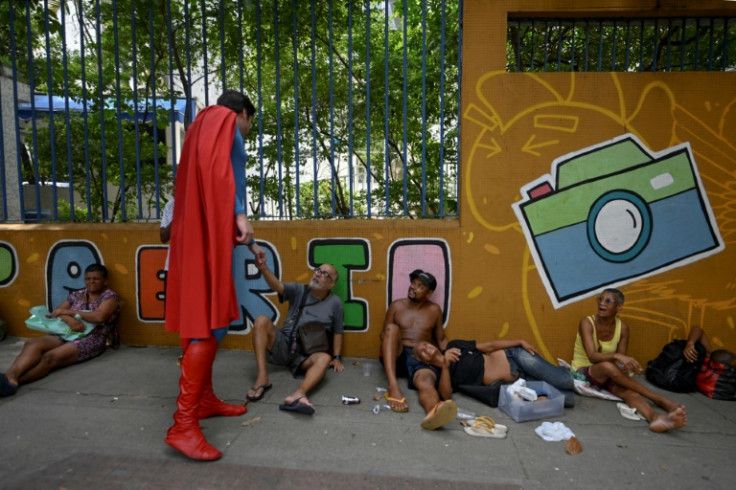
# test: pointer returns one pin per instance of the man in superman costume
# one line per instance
(209, 219)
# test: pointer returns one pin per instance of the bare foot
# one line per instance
(669, 421)
(303, 400)
(670, 406)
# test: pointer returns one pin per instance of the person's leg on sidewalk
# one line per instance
(391, 348)
(30, 357)
(535, 367)
(315, 367)
(635, 395)
(439, 412)
(264, 335)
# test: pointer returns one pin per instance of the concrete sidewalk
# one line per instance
(101, 424)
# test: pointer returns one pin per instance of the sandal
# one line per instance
(441, 414)
(480, 428)
(490, 422)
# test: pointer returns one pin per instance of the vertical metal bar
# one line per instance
(587, 44)
(682, 45)
(386, 154)
(655, 44)
(459, 101)
(710, 45)
(187, 41)
(641, 45)
(424, 107)
(559, 45)
(725, 44)
(172, 92)
(405, 149)
(279, 154)
(574, 31)
(518, 46)
(315, 176)
(350, 103)
(136, 125)
(613, 51)
(600, 45)
(531, 47)
(669, 44)
(222, 47)
(259, 74)
(546, 44)
(3, 188)
(102, 108)
(119, 112)
(65, 68)
(154, 101)
(294, 37)
(52, 113)
(332, 110)
(34, 129)
(627, 61)
(205, 61)
(85, 112)
(697, 43)
(368, 103)
(19, 148)
(442, 112)
(240, 46)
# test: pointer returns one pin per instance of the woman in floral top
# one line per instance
(96, 304)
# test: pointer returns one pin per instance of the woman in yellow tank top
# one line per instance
(600, 355)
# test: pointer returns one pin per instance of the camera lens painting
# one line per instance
(619, 226)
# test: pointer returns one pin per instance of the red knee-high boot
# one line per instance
(185, 435)
(211, 406)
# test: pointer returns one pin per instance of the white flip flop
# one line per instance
(485, 427)
(628, 412)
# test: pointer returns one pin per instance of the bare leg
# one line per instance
(315, 367)
(264, 334)
(658, 422)
(30, 356)
(391, 348)
(635, 394)
(424, 380)
(65, 355)
(605, 370)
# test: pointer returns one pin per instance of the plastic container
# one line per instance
(523, 411)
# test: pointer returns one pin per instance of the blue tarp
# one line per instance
(41, 107)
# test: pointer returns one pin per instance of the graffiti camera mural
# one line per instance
(614, 213)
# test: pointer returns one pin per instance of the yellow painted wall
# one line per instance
(513, 127)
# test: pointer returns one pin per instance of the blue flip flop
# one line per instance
(6, 389)
(297, 407)
(256, 388)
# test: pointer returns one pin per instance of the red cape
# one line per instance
(200, 293)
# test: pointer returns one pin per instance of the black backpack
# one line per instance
(671, 371)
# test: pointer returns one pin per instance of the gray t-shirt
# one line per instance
(327, 311)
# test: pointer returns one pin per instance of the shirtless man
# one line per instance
(409, 321)
(600, 354)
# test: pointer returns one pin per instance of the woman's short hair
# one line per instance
(96, 268)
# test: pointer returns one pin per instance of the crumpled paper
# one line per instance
(554, 431)
(520, 390)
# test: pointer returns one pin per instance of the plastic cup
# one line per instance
(367, 368)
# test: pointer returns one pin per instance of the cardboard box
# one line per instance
(522, 410)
